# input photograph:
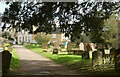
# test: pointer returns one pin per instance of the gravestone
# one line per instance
(101, 50)
(6, 59)
(44, 45)
(97, 58)
(117, 60)
(55, 51)
(71, 52)
(81, 46)
(112, 53)
(103, 55)
(85, 55)
(44, 50)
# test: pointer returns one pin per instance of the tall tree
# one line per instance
(110, 31)
(73, 18)
(42, 38)
(6, 35)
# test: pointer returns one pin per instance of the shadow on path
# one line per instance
(35, 64)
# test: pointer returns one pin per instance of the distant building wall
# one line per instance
(56, 39)
(24, 37)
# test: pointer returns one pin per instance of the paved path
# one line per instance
(35, 64)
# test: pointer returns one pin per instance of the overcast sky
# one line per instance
(2, 6)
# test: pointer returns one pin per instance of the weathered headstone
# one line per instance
(44, 50)
(6, 59)
(85, 55)
(112, 53)
(71, 52)
(55, 51)
(101, 50)
(44, 45)
(97, 58)
(117, 60)
(103, 54)
(81, 46)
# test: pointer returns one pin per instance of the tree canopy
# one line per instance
(72, 18)
(7, 35)
(110, 31)
(42, 38)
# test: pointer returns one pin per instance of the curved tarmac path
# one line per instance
(34, 64)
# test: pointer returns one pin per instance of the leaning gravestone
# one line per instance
(117, 60)
(97, 58)
(85, 55)
(112, 53)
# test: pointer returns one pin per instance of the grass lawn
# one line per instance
(73, 61)
(14, 60)
(62, 57)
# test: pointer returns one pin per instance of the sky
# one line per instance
(2, 6)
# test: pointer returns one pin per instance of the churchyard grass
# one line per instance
(62, 57)
(73, 61)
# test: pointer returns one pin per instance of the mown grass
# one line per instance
(15, 64)
(75, 62)
(62, 57)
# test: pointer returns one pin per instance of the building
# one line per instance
(24, 37)
(58, 38)
(21, 37)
